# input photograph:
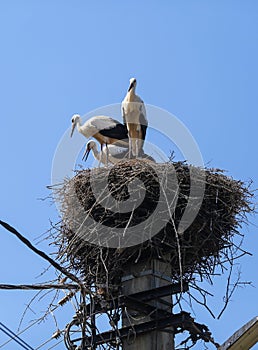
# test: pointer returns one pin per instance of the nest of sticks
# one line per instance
(95, 220)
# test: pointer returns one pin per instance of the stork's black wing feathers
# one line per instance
(143, 129)
(119, 132)
(144, 125)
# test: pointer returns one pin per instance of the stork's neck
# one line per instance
(79, 124)
(131, 92)
(95, 152)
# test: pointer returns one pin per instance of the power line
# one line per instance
(47, 341)
(38, 286)
(25, 329)
(41, 253)
(14, 337)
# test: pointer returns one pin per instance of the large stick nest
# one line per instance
(88, 219)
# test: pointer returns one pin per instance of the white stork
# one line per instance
(115, 153)
(104, 129)
(134, 117)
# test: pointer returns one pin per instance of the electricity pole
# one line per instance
(143, 277)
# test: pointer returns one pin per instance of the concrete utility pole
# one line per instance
(143, 277)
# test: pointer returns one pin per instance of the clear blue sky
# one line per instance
(196, 59)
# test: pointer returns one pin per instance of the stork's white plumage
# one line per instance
(104, 129)
(134, 117)
(115, 153)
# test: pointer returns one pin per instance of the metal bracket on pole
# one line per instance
(144, 296)
(180, 322)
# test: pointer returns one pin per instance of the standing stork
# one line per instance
(134, 117)
(115, 153)
(104, 129)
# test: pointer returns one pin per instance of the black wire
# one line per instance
(15, 337)
(39, 252)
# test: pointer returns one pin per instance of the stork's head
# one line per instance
(132, 84)
(75, 119)
(89, 146)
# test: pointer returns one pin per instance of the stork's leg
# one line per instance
(139, 141)
(100, 155)
(107, 154)
(137, 148)
(130, 148)
(140, 146)
(135, 135)
(133, 147)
